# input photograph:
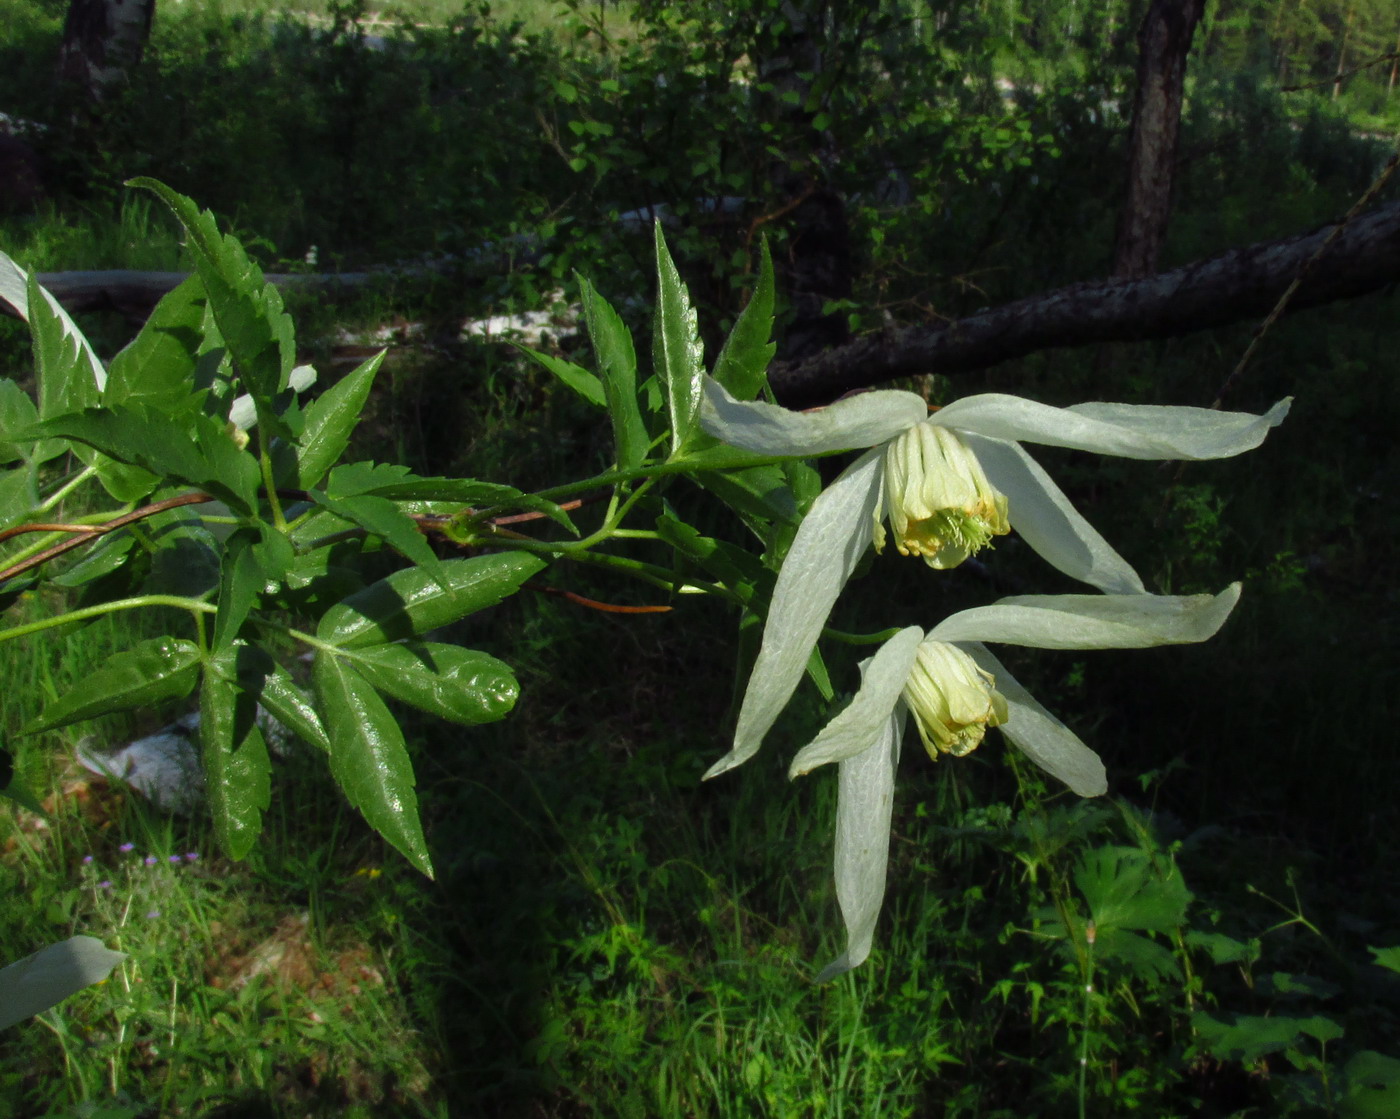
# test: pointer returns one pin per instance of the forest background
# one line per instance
(607, 935)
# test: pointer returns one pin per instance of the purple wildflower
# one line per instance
(151, 860)
(87, 858)
(105, 884)
(126, 847)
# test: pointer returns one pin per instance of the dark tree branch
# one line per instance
(1237, 285)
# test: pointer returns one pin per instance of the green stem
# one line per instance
(194, 605)
(68, 487)
(270, 485)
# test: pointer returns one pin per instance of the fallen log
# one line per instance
(1235, 286)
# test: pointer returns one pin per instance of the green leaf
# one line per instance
(737, 568)
(157, 670)
(19, 494)
(253, 560)
(11, 786)
(64, 363)
(1250, 1037)
(249, 312)
(381, 517)
(1387, 957)
(579, 379)
(742, 366)
(1127, 888)
(410, 602)
(677, 354)
(617, 359)
(398, 483)
(237, 771)
(759, 494)
(460, 685)
(272, 686)
(194, 449)
(330, 420)
(158, 366)
(1372, 1087)
(17, 414)
(368, 756)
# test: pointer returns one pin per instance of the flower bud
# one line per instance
(940, 504)
(952, 700)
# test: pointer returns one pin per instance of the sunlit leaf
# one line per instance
(617, 360)
(742, 366)
(155, 671)
(368, 757)
(460, 685)
(237, 771)
(677, 354)
(410, 602)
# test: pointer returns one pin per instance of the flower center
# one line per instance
(938, 499)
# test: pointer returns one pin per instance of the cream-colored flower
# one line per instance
(985, 432)
(955, 688)
(952, 700)
(937, 497)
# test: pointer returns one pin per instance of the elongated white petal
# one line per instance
(864, 804)
(1041, 736)
(860, 421)
(1090, 621)
(855, 730)
(32, 985)
(1127, 430)
(1046, 520)
(14, 290)
(828, 545)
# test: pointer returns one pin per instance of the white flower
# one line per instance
(955, 689)
(842, 521)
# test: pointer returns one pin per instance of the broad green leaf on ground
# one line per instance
(11, 786)
(617, 362)
(381, 517)
(410, 602)
(1250, 1037)
(742, 366)
(576, 377)
(158, 366)
(460, 685)
(156, 670)
(237, 771)
(1127, 888)
(368, 757)
(329, 421)
(34, 984)
(194, 449)
(1372, 1087)
(677, 355)
(272, 686)
(255, 328)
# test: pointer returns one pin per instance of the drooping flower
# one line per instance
(940, 504)
(969, 490)
(955, 689)
(953, 701)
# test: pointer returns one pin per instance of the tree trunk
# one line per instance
(102, 41)
(1238, 285)
(1164, 40)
